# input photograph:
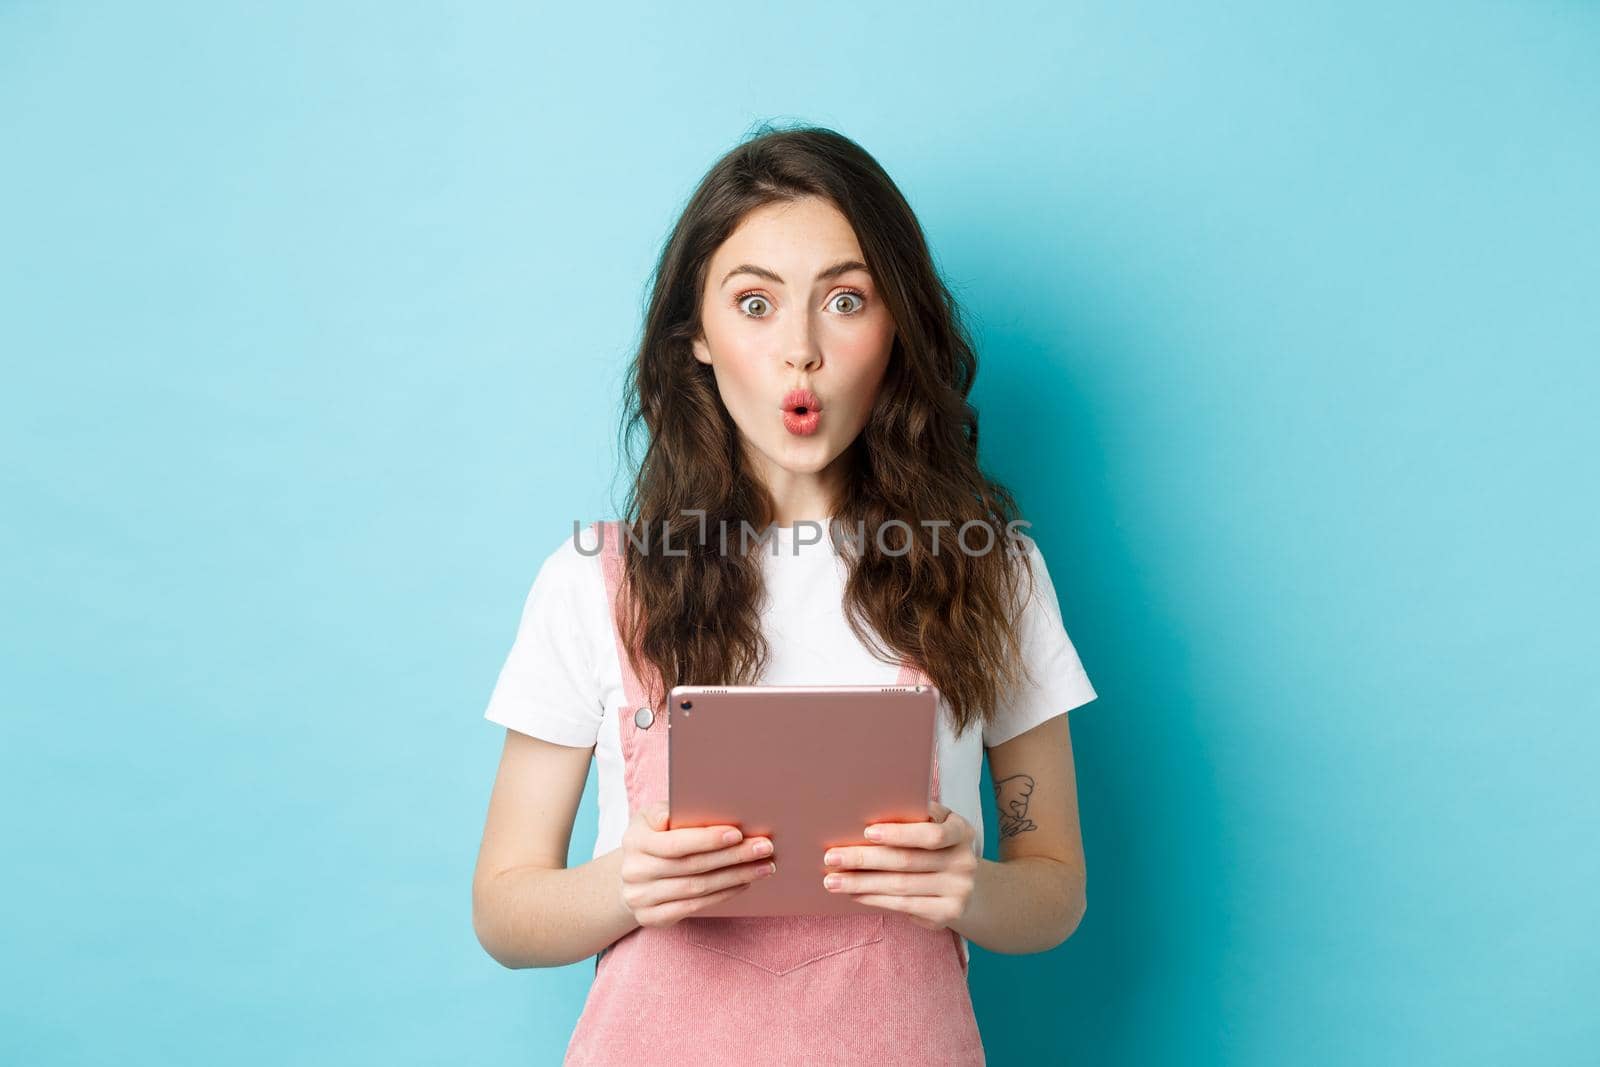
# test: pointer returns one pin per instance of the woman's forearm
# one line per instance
(1029, 904)
(544, 917)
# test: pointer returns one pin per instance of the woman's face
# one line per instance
(788, 306)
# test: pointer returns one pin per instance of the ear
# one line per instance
(702, 352)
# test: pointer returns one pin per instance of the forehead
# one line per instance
(800, 235)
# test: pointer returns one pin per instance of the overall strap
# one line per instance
(910, 674)
(611, 563)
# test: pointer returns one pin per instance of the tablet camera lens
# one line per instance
(686, 705)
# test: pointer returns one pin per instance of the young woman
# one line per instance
(803, 372)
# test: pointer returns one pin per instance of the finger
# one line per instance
(672, 911)
(698, 885)
(656, 818)
(888, 883)
(687, 840)
(938, 811)
(882, 858)
(916, 834)
(751, 848)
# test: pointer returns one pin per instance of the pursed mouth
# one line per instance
(801, 402)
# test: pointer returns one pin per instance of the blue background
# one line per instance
(314, 321)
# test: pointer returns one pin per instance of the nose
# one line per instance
(803, 354)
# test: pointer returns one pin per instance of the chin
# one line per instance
(805, 455)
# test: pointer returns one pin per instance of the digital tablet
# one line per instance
(808, 766)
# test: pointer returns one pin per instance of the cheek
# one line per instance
(737, 368)
(864, 340)
(864, 355)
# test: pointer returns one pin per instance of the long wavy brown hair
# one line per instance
(696, 613)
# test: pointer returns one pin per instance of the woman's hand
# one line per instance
(670, 874)
(922, 869)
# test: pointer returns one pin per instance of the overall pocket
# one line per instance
(779, 944)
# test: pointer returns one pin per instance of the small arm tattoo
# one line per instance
(1011, 797)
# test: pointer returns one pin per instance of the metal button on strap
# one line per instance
(643, 717)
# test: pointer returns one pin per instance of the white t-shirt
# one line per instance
(562, 680)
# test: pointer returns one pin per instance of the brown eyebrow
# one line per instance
(842, 267)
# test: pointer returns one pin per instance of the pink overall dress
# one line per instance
(794, 989)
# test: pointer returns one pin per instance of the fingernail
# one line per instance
(874, 834)
(763, 848)
(730, 836)
(772, 868)
(832, 881)
(833, 859)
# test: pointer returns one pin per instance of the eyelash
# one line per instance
(858, 294)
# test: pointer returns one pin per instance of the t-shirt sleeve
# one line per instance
(549, 687)
(1059, 682)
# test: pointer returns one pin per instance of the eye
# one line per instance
(756, 300)
(850, 295)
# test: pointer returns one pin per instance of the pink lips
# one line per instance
(802, 412)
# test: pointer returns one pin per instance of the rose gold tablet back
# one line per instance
(809, 766)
